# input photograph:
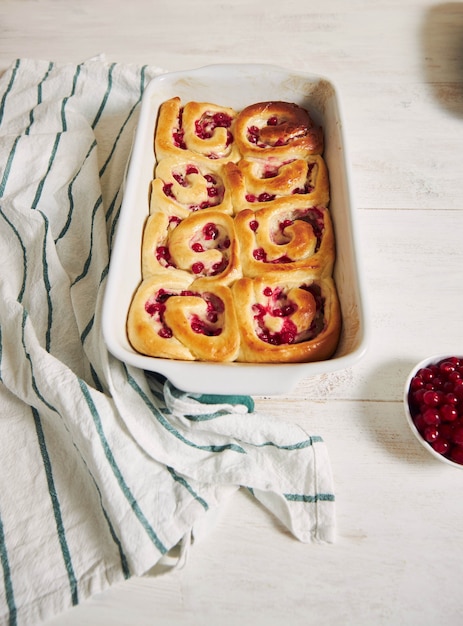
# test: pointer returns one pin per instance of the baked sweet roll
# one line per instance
(277, 129)
(285, 237)
(183, 320)
(182, 186)
(287, 318)
(255, 183)
(203, 245)
(200, 129)
(238, 248)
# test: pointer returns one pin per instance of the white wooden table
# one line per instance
(398, 64)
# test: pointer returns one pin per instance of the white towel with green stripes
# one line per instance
(104, 469)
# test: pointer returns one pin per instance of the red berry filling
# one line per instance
(262, 197)
(279, 305)
(215, 189)
(201, 327)
(210, 231)
(215, 237)
(162, 251)
(309, 184)
(155, 307)
(163, 256)
(209, 326)
(254, 135)
(178, 139)
(260, 255)
(167, 189)
(197, 267)
(270, 172)
(178, 133)
(205, 126)
(435, 399)
(314, 217)
(181, 177)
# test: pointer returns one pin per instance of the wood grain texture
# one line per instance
(398, 65)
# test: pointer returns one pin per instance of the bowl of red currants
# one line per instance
(433, 401)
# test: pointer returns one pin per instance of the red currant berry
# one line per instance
(419, 422)
(416, 383)
(450, 398)
(430, 433)
(431, 398)
(446, 367)
(440, 445)
(417, 396)
(431, 417)
(425, 374)
(197, 268)
(448, 413)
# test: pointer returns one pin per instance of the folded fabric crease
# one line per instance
(105, 468)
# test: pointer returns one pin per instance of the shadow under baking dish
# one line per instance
(236, 86)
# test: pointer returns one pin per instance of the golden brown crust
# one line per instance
(184, 321)
(203, 246)
(256, 183)
(200, 130)
(183, 185)
(155, 258)
(292, 318)
(286, 237)
(238, 249)
(146, 330)
(277, 129)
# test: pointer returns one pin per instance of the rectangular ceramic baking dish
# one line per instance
(236, 86)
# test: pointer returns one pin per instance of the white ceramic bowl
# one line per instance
(236, 86)
(437, 358)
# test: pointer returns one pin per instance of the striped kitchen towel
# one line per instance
(104, 469)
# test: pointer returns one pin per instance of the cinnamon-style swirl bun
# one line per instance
(203, 245)
(256, 183)
(183, 186)
(200, 129)
(182, 320)
(238, 248)
(277, 129)
(287, 318)
(285, 237)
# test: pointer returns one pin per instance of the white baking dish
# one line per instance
(235, 86)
